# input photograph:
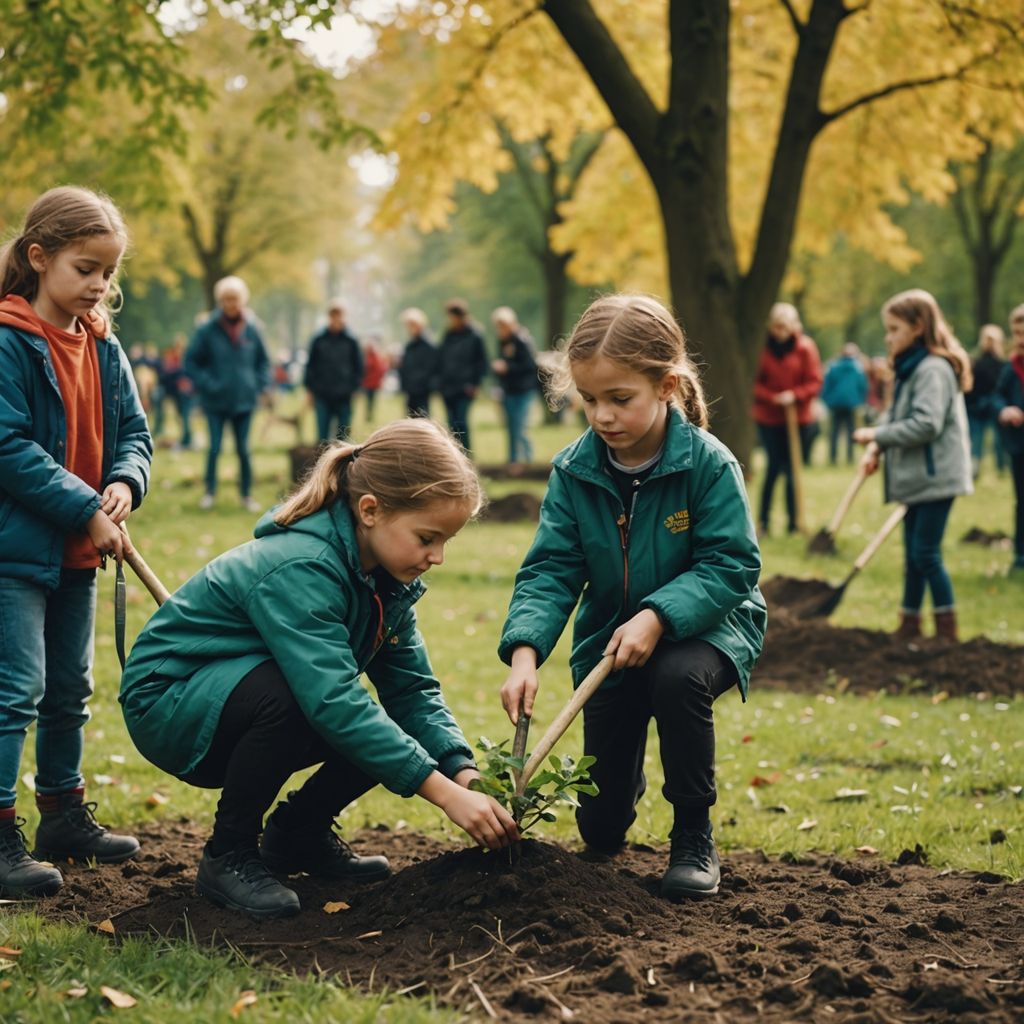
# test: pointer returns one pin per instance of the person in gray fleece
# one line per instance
(926, 443)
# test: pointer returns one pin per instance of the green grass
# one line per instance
(946, 775)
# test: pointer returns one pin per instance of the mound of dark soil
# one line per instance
(993, 539)
(513, 508)
(555, 936)
(527, 471)
(803, 653)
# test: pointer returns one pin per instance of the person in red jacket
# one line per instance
(789, 374)
(377, 366)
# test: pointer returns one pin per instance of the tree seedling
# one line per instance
(557, 784)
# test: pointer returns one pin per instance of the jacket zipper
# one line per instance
(624, 525)
(379, 642)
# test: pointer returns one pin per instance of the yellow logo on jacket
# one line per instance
(678, 521)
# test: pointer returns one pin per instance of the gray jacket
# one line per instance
(925, 437)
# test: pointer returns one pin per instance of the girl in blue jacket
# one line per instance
(646, 525)
(74, 461)
(251, 670)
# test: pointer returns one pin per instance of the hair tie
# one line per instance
(354, 454)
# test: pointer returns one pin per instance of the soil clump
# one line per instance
(513, 508)
(786, 939)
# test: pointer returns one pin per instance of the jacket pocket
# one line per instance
(929, 460)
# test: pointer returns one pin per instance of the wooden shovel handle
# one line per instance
(556, 730)
(149, 578)
(847, 500)
(796, 462)
(895, 517)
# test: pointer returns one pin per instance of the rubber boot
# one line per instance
(693, 865)
(20, 874)
(945, 626)
(909, 627)
(239, 880)
(68, 830)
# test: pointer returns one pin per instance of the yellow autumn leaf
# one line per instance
(106, 926)
(334, 907)
(119, 1000)
(247, 998)
(157, 800)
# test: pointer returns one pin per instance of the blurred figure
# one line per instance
(516, 370)
(880, 381)
(228, 363)
(376, 369)
(1010, 414)
(177, 386)
(789, 374)
(844, 392)
(462, 367)
(334, 372)
(417, 371)
(982, 402)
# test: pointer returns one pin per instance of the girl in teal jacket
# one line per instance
(250, 671)
(646, 517)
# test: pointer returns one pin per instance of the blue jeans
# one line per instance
(980, 423)
(517, 413)
(240, 424)
(457, 407)
(183, 403)
(923, 528)
(46, 652)
(339, 409)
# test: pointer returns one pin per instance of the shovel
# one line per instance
(831, 602)
(556, 730)
(824, 541)
(149, 580)
(796, 462)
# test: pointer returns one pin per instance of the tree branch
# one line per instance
(587, 145)
(526, 173)
(798, 25)
(963, 221)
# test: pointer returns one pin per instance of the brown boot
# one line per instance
(945, 626)
(909, 627)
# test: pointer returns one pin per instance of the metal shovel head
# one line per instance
(822, 543)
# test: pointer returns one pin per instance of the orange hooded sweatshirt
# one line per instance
(73, 354)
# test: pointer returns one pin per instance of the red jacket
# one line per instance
(799, 371)
(376, 368)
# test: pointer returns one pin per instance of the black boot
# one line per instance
(693, 867)
(239, 880)
(287, 849)
(68, 830)
(20, 875)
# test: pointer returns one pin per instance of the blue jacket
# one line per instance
(41, 502)
(1010, 391)
(228, 378)
(846, 384)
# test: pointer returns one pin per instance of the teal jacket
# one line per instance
(690, 555)
(296, 595)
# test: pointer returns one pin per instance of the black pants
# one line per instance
(775, 442)
(417, 403)
(843, 421)
(262, 738)
(676, 687)
(1017, 471)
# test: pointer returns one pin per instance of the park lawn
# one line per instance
(945, 774)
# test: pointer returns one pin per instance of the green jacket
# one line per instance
(690, 555)
(296, 595)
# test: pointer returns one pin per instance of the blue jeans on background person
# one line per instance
(843, 420)
(457, 407)
(45, 677)
(333, 409)
(183, 403)
(240, 424)
(517, 413)
(980, 423)
(923, 528)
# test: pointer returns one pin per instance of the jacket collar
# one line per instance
(586, 456)
(40, 345)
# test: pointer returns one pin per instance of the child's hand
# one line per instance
(1011, 416)
(521, 683)
(482, 818)
(784, 398)
(108, 537)
(870, 460)
(117, 502)
(634, 641)
(864, 435)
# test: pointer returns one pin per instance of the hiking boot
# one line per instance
(20, 874)
(693, 866)
(909, 627)
(68, 830)
(945, 626)
(239, 880)
(318, 852)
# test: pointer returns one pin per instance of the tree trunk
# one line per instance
(556, 294)
(985, 269)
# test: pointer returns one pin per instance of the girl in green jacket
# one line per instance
(646, 517)
(250, 671)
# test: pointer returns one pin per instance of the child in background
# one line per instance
(74, 462)
(1010, 413)
(250, 671)
(680, 610)
(982, 401)
(925, 440)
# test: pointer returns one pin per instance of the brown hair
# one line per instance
(407, 465)
(919, 309)
(641, 334)
(56, 220)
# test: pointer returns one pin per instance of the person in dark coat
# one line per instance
(1010, 416)
(227, 361)
(334, 373)
(844, 392)
(462, 367)
(982, 402)
(516, 369)
(417, 372)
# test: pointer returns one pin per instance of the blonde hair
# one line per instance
(991, 338)
(231, 284)
(919, 309)
(785, 313)
(337, 305)
(413, 315)
(638, 332)
(1017, 314)
(407, 466)
(55, 221)
(505, 315)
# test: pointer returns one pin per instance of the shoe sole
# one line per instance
(35, 892)
(80, 858)
(277, 868)
(678, 895)
(260, 915)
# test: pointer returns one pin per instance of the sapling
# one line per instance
(557, 784)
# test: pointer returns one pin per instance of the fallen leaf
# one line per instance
(8, 951)
(4, 985)
(369, 935)
(247, 998)
(806, 825)
(747, 739)
(157, 800)
(103, 780)
(6, 965)
(890, 721)
(106, 926)
(766, 780)
(119, 1000)
(778, 809)
(76, 993)
(334, 907)
(867, 851)
(878, 744)
(938, 698)
(849, 794)
(933, 966)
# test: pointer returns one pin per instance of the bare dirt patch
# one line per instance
(810, 939)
